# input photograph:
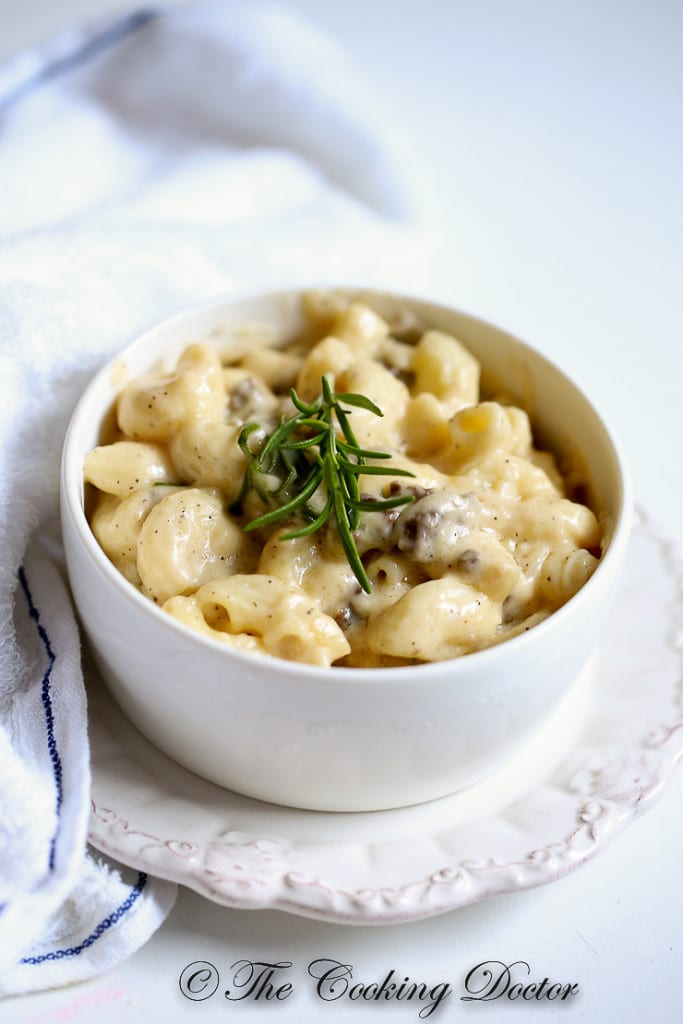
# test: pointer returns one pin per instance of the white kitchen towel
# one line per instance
(145, 164)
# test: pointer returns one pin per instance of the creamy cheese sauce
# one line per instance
(491, 544)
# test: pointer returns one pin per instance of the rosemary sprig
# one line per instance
(305, 454)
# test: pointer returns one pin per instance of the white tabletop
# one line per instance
(551, 149)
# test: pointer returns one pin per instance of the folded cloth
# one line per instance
(145, 164)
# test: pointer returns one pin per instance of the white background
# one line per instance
(550, 137)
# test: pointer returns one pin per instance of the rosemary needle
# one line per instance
(313, 449)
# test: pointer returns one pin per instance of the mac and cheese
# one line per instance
(490, 545)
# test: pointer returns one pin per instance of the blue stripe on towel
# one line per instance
(55, 759)
(103, 926)
(114, 34)
(46, 699)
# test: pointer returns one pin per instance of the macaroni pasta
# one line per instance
(490, 545)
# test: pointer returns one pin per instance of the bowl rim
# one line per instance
(71, 486)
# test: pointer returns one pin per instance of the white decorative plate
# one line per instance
(600, 762)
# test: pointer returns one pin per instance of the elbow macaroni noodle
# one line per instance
(490, 546)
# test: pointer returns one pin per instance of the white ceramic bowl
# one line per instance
(343, 738)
